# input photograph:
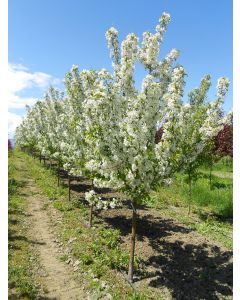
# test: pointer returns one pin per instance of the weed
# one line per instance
(110, 236)
(62, 206)
(86, 259)
(63, 258)
(137, 296)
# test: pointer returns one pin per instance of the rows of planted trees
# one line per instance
(104, 128)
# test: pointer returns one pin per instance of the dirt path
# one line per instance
(56, 279)
(220, 174)
(223, 174)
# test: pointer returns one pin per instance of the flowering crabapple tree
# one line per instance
(72, 144)
(121, 121)
(105, 127)
(221, 145)
(196, 135)
(29, 133)
(52, 109)
(214, 123)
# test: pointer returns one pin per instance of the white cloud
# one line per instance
(19, 79)
(14, 120)
(20, 102)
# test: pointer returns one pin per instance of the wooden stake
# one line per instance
(58, 173)
(133, 241)
(210, 177)
(91, 209)
(190, 194)
(90, 216)
(69, 188)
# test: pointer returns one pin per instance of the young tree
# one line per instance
(121, 121)
(10, 147)
(105, 128)
(197, 137)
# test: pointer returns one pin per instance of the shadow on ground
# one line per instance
(189, 270)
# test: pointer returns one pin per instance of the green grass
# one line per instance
(212, 210)
(218, 201)
(46, 180)
(225, 164)
(21, 281)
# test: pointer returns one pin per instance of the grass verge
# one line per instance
(21, 280)
(211, 209)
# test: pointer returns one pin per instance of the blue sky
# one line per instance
(47, 37)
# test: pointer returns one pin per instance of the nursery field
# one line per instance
(53, 254)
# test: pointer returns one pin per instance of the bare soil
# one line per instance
(181, 262)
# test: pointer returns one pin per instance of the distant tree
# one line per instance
(10, 147)
(223, 142)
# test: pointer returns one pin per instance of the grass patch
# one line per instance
(21, 281)
(45, 180)
(212, 209)
(225, 164)
(62, 206)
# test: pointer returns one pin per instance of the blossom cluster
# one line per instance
(93, 200)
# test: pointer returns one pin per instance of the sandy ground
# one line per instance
(56, 277)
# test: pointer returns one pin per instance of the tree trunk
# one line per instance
(133, 240)
(58, 174)
(91, 209)
(91, 216)
(190, 194)
(210, 177)
(69, 188)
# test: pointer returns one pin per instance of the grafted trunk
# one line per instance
(69, 188)
(190, 193)
(91, 216)
(58, 173)
(210, 177)
(91, 209)
(133, 241)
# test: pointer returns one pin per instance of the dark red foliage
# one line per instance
(223, 142)
(10, 147)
